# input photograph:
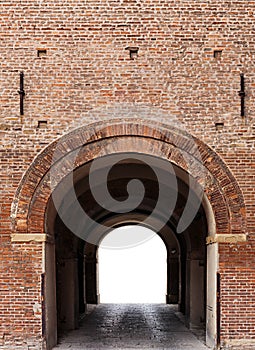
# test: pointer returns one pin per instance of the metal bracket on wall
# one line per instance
(21, 92)
(242, 95)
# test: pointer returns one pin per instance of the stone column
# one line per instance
(68, 292)
(197, 293)
(92, 296)
(172, 296)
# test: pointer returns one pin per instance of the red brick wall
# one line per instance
(87, 67)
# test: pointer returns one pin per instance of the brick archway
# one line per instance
(222, 198)
(220, 186)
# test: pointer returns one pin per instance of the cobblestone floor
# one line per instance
(131, 326)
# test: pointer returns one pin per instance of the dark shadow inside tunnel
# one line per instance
(76, 255)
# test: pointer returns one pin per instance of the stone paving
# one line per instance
(131, 326)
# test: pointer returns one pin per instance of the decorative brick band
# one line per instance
(226, 238)
(30, 237)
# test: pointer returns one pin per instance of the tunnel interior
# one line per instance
(165, 197)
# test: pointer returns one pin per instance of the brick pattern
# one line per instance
(221, 187)
(85, 70)
(21, 269)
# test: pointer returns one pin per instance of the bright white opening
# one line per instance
(133, 275)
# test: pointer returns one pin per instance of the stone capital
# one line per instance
(226, 238)
(30, 237)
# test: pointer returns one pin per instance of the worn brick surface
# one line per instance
(131, 326)
(87, 68)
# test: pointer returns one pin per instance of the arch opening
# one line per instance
(77, 264)
(137, 274)
(35, 214)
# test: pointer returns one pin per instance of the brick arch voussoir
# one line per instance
(29, 205)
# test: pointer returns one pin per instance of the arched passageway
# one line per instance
(136, 273)
(187, 196)
(77, 258)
